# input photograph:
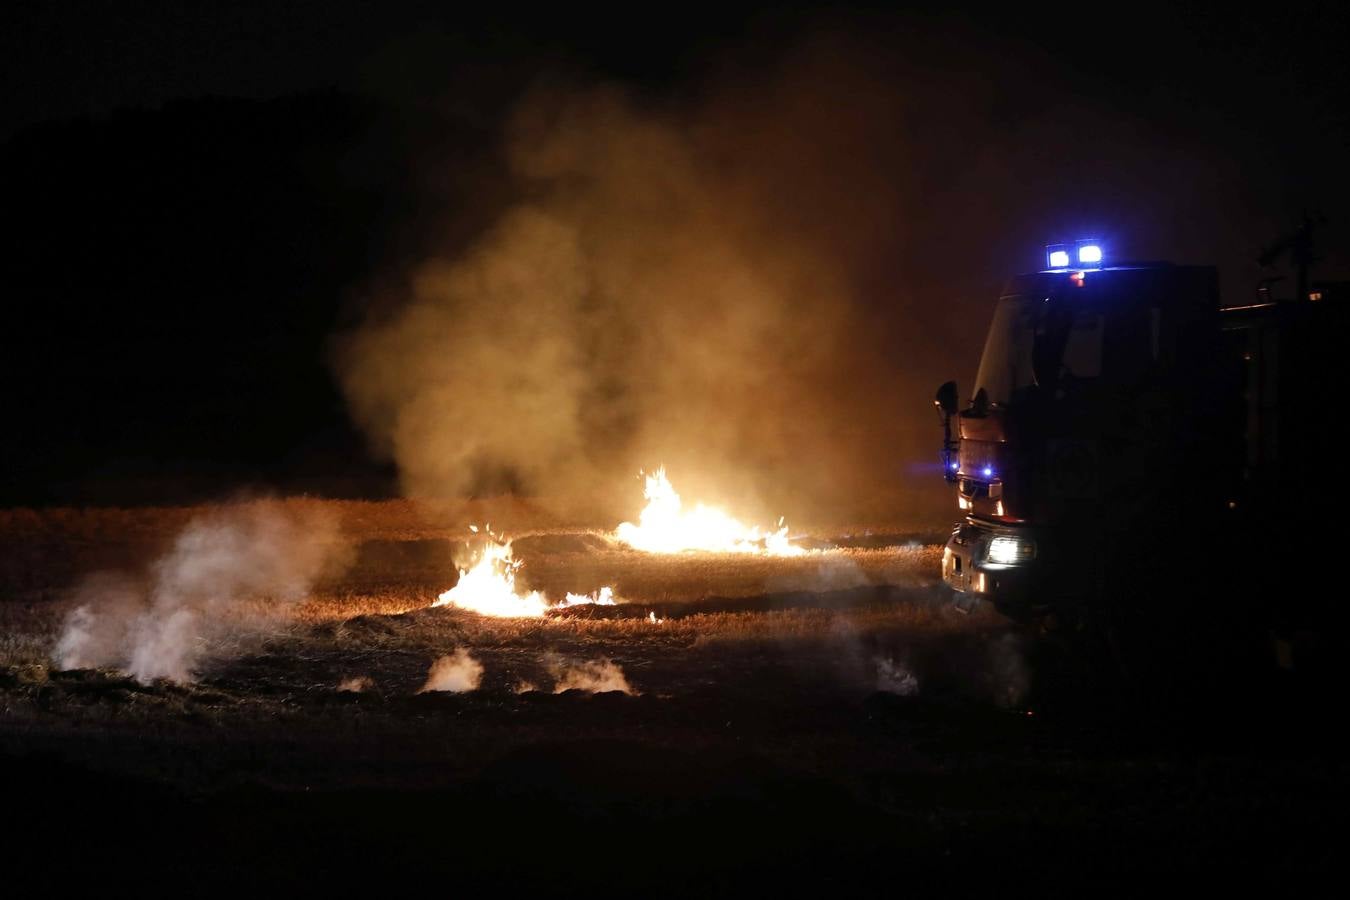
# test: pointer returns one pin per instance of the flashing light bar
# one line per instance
(1080, 253)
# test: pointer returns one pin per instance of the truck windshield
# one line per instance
(1069, 342)
(1006, 363)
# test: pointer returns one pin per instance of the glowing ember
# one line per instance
(664, 526)
(489, 587)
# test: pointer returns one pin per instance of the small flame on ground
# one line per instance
(489, 586)
(664, 526)
(602, 597)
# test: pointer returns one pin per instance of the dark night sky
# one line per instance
(1267, 65)
(1267, 87)
(1171, 131)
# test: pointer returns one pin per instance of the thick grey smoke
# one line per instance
(228, 575)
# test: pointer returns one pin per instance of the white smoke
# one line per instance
(229, 574)
(832, 572)
(596, 675)
(455, 673)
(1009, 673)
(354, 685)
(895, 678)
(96, 631)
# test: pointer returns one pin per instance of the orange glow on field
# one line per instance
(665, 526)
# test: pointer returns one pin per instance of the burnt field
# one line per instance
(734, 723)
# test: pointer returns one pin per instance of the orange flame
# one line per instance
(489, 586)
(664, 526)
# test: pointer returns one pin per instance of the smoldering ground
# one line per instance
(230, 574)
(247, 597)
(455, 673)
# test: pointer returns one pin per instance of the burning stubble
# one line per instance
(228, 577)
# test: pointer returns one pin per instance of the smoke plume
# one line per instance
(228, 576)
(756, 275)
(1009, 671)
(355, 684)
(455, 673)
(672, 287)
(596, 675)
(895, 677)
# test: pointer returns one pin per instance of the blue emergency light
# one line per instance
(1087, 253)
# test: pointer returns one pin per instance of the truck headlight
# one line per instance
(1007, 550)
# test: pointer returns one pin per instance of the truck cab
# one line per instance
(1104, 422)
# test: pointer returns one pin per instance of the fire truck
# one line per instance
(1134, 455)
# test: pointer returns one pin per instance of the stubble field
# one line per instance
(824, 720)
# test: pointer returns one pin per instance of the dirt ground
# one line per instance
(824, 722)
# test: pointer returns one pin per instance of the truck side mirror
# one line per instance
(946, 401)
(946, 398)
